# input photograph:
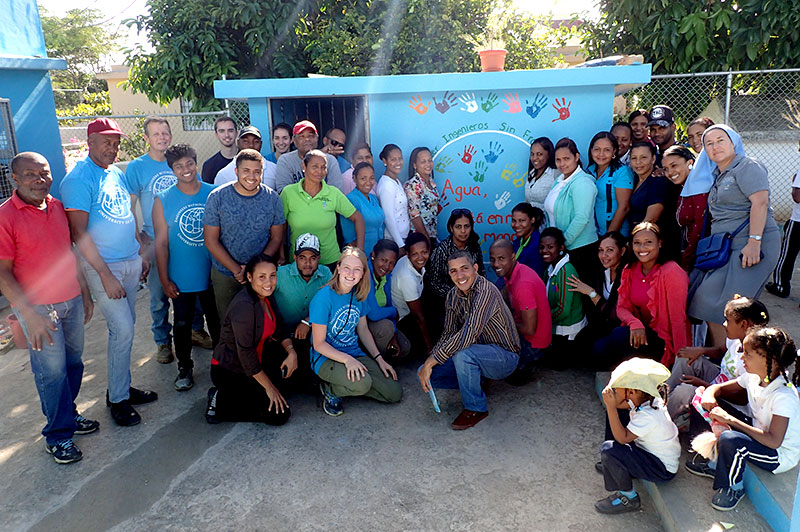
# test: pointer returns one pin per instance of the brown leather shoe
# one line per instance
(468, 419)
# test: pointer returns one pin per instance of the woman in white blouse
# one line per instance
(542, 172)
(392, 196)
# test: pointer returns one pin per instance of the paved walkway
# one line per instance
(528, 466)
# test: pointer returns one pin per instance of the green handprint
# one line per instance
(490, 102)
(480, 172)
(443, 163)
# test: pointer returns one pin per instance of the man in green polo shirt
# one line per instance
(297, 284)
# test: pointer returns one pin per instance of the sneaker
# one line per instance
(137, 396)
(773, 289)
(64, 452)
(184, 380)
(124, 415)
(200, 338)
(468, 419)
(211, 407)
(617, 503)
(726, 499)
(164, 355)
(85, 426)
(697, 465)
(331, 404)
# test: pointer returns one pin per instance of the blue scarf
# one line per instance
(701, 178)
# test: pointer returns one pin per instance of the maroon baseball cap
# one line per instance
(302, 126)
(104, 126)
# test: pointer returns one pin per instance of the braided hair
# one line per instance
(778, 348)
(746, 308)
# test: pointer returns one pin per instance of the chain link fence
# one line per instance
(763, 106)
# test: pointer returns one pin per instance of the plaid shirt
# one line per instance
(479, 316)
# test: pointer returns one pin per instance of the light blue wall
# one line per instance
(20, 29)
(24, 80)
(494, 125)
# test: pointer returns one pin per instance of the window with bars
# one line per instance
(8, 148)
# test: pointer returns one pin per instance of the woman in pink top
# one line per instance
(651, 305)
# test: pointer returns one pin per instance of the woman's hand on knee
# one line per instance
(638, 338)
(690, 353)
(277, 403)
(355, 369)
(386, 368)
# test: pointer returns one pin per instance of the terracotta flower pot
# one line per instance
(492, 60)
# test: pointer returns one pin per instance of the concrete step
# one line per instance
(683, 504)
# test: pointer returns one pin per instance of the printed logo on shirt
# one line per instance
(161, 182)
(190, 224)
(115, 203)
(343, 325)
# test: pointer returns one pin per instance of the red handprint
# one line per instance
(563, 109)
(443, 202)
(469, 151)
(512, 101)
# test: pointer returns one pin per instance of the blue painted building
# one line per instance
(24, 80)
(478, 125)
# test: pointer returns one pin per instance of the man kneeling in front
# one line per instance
(479, 341)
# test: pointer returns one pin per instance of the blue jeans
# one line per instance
(735, 449)
(120, 314)
(58, 368)
(159, 309)
(465, 369)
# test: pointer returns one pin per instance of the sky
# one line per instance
(115, 11)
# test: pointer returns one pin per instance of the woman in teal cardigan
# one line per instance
(570, 207)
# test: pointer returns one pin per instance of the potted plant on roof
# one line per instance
(490, 45)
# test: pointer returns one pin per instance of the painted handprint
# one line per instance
(469, 101)
(562, 108)
(495, 150)
(501, 201)
(469, 151)
(416, 104)
(509, 172)
(519, 181)
(512, 101)
(448, 100)
(443, 163)
(480, 172)
(539, 103)
(443, 202)
(490, 102)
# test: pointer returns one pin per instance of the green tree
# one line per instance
(693, 36)
(83, 42)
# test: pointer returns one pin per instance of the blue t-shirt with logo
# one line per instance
(149, 178)
(340, 313)
(189, 259)
(104, 193)
(244, 221)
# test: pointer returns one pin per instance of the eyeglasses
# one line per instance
(335, 143)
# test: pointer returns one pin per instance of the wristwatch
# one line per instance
(757, 238)
(592, 294)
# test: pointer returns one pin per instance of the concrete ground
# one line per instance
(528, 466)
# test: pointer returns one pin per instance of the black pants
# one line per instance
(242, 398)
(623, 463)
(183, 307)
(698, 425)
(608, 352)
(585, 260)
(789, 249)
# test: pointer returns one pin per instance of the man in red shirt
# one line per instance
(39, 276)
(528, 298)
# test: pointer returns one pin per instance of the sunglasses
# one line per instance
(335, 143)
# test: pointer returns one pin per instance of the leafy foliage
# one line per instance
(695, 36)
(94, 104)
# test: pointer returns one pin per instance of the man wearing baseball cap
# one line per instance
(297, 285)
(97, 198)
(249, 138)
(662, 128)
(290, 169)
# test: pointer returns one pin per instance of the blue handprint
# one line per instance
(539, 103)
(495, 150)
(480, 172)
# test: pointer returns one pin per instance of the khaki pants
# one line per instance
(225, 289)
(374, 384)
(383, 331)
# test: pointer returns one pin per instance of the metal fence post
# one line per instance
(728, 96)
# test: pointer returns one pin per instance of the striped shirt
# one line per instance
(479, 316)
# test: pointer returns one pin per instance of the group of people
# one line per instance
(307, 273)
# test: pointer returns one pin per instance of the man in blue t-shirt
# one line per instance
(97, 198)
(149, 176)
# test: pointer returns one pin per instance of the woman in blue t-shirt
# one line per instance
(338, 316)
(367, 204)
(614, 184)
(183, 261)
